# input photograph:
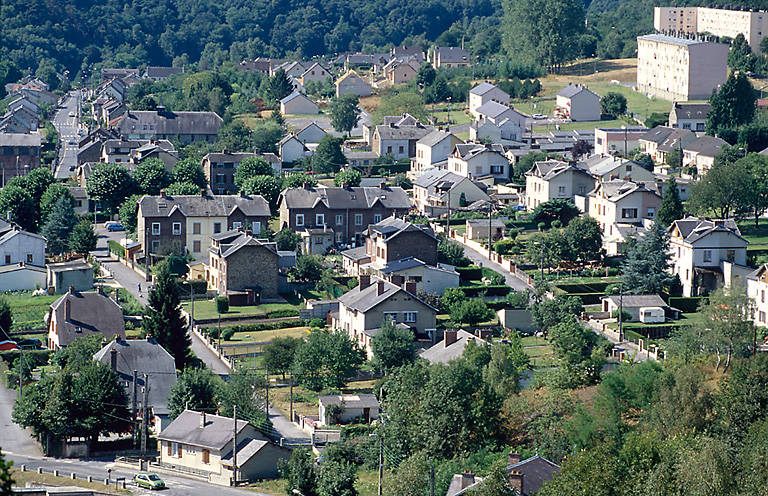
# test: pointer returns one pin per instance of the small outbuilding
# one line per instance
(296, 103)
(352, 406)
(60, 276)
(636, 306)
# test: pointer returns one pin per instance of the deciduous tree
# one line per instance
(197, 388)
(83, 239)
(111, 184)
(345, 113)
(326, 360)
(392, 347)
(251, 167)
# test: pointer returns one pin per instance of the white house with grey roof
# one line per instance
(578, 103)
(297, 103)
(698, 249)
(362, 406)
(449, 57)
(483, 93)
(552, 179)
(496, 113)
(204, 444)
(437, 190)
(311, 133)
(451, 347)
(154, 367)
(432, 151)
(608, 168)
(17, 246)
(660, 141)
(702, 152)
(364, 309)
(291, 149)
(478, 160)
(691, 116)
(185, 127)
(75, 315)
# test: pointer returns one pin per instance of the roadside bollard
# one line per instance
(106, 482)
(55, 472)
(74, 476)
(39, 470)
(90, 478)
(23, 468)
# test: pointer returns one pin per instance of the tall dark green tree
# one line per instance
(196, 389)
(83, 239)
(392, 347)
(645, 268)
(6, 316)
(671, 208)
(163, 320)
(151, 176)
(328, 157)
(59, 225)
(279, 86)
(18, 205)
(51, 196)
(733, 105)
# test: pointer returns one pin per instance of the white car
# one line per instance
(539, 116)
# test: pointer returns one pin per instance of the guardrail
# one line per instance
(119, 482)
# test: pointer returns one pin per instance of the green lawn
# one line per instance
(570, 126)
(207, 310)
(29, 311)
(457, 116)
(756, 236)
(269, 335)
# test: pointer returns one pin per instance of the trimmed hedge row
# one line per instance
(199, 287)
(689, 304)
(472, 273)
(266, 326)
(40, 357)
(490, 290)
(588, 298)
(572, 288)
(116, 248)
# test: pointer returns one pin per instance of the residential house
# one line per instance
(479, 229)
(407, 51)
(39, 96)
(114, 89)
(296, 103)
(13, 123)
(698, 248)
(578, 103)
(21, 277)
(438, 190)
(702, 152)
(240, 263)
(357, 159)
(449, 57)
(291, 69)
(317, 240)
(259, 64)
(608, 167)
(147, 364)
(111, 73)
(203, 443)
(680, 69)
(609, 140)
(364, 309)
(291, 149)
(660, 141)
(358, 61)
(552, 179)
(398, 139)
(433, 279)
(477, 160)
(17, 246)
(25, 103)
(505, 131)
(401, 70)
(496, 113)
(160, 73)
(432, 151)
(451, 347)
(185, 127)
(76, 315)
(28, 81)
(316, 73)
(19, 154)
(483, 93)
(635, 305)
(311, 133)
(622, 208)
(61, 276)
(162, 150)
(525, 476)
(351, 83)
(347, 211)
(757, 286)
(220, 168)
(185, 223)
(691, 116)
(363, 406)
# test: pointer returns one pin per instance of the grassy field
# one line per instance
(755, 235)
(22, 478)
(29, 311)
(207, 309)
(366, 485)
(261, 336)
(305, 401)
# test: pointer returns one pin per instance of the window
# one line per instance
(389, 149)
(730, 255)
(170, 448)
(256, 227)
(30, 258)
(707, 255)
(7, 259)
(216, 227)
(686, 125)
(176, 228)
(196, 228)
(410, 317)
(582, 189)
(299, 219)
(221, 179)
(319, 219)
(206, 456)
(156, 228)
(561, 190)
(196, 246)
(686, 274)
(391, 316)
(400, 149)
(236, 225)
(155, 246)
(175, 450)
(629, 168)
(377, 218)
(651, 212)
(762, 317)
(762, 296)
(497, 169)
(358, 219)
(339, 220)
(628, 213)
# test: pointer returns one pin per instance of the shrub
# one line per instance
(222, 304)
(227, 333)
(317, 323)
(625, 316)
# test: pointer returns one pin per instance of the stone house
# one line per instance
(219, 169)
(316, 73)
(552, 179)
(347, 211)
(241, 263)
(19, 154)
(297, 103)
(291, 149)
(578, 103)
(185, 127)
(185, 223)
(77, 315)
(363, 310)
(483, 93)
(432, 151)
(352, 83)
(398, 139)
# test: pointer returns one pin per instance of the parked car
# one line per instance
(115, 226)
(149, 480)
(539, 116)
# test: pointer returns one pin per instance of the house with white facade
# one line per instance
(476, 160)
(438, 190)
(291, 149)
(702, 152)
(498, 112)
(484, 93)
(432, 151)
(757, 289)
(609, 140)
(311, 133)
(660, 141)
(22, 247)
(297, 103)
(691, 116)
(504, 132)
(352, 83)
(316, 73)
(698, 249)
(608, 167)
(578, 103)
(552, 179)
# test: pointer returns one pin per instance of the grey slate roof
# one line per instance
(468, 150)
(69, 266)
(707, 146)
(238, 240)
(20, 139)
(492, 109)
(693, 229)
(162, 72)
(432, 177)
(355, 254)
(362, 400)
(245, 451)
(144, 356)
(616, 189)
(403, 132)
(638, 300)
(216, 434)
(439, 353)
(204, 206)
(392, 226)
(233, 157)
(169, 123)
(434, 137)
(662, 38)
(342, 198)
(535, 470)
(89, 313)
(452, 54)
(402, 264)
(368, 298)
(482, 88)
(294, 96)
(691, 110)
(574, 89)
(549, 169)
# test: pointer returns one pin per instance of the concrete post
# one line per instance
(90, 478)
(73, 475)
(23, 467)
(106, 481)
(55, 472)
(39, 470)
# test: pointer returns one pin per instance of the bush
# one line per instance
(199, 287)
(222, 304)
(317, 323)
(471, 273)
(490, 290)
(505, 246)
(687, 304)
(227, 333)
(116, 248)
(625, 316)
(212, 332)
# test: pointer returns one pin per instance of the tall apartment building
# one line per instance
(680, 69)
(753, 24)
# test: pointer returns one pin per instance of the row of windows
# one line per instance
(176, 449)
(30, 258)
(407, 317)
(320, 219)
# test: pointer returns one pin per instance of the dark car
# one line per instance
(115, 227)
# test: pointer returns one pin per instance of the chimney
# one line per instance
(450, 338)
(513, 458)
(202, 419)
(162, 192)
(380, 288)
(364, 280)
(467, 479)
(202, 191)
(113, 359)
(410, 287)
(71, 289)
(383, 185)
(719, 222)
(100, 289)
(67, 310)
(516, 481)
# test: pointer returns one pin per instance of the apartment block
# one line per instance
(680, 69)
(753, 24)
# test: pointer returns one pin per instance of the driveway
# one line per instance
(511, 280)
(13, 438)
(67, 125)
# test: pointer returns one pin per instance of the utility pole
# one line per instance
(490, 231)
(133, 407)
(381, 462)
(144, 415)
(432, 480)
(621, 311)
(291, 386)
(266, 373)
(21, 372)
(234, 445)
(192, 308)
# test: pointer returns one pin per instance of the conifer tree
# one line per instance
(671, 208)
(163, 320)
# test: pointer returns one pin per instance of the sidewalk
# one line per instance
(597, 327)
(511, 280)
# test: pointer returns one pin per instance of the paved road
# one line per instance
(177, 486)
(12, 437)
(511, 280)
(66, 125)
